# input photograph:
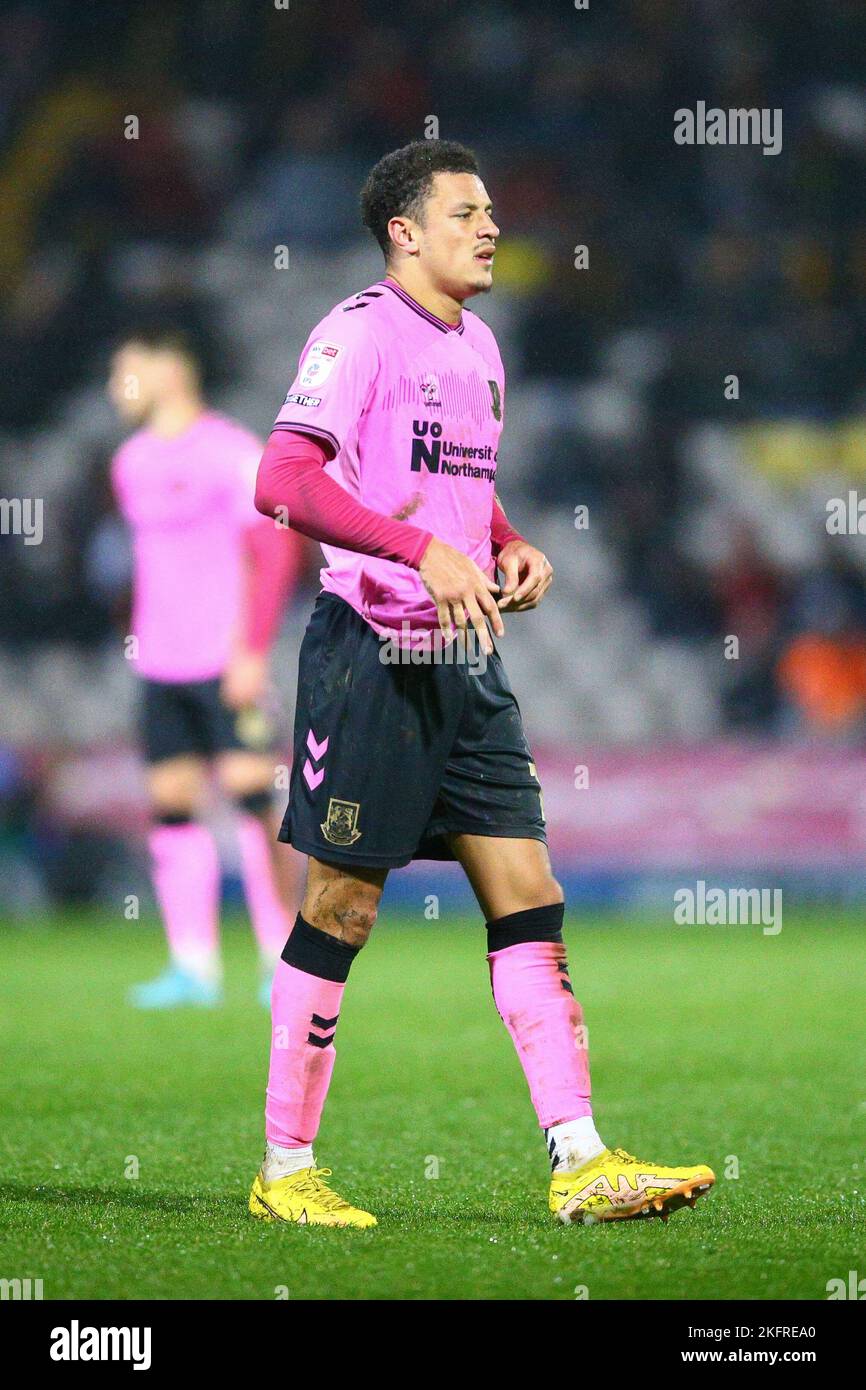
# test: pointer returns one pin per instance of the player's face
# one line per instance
(140, 378)
(133, 384)
(458, 237)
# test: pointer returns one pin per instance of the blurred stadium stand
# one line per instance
(706, 514)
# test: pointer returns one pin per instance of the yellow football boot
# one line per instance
(615, 1186)
(306, 1200)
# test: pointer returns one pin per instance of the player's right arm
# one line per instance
(335, 378)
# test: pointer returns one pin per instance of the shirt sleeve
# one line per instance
(501, 530)
(336, 373)
(273, 560)
(293, 486)
(238, 459)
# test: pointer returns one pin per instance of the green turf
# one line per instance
(706, 1043)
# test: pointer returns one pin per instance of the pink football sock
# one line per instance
(270, 920)
(534, 997)
(305, 1004)
(186, 879)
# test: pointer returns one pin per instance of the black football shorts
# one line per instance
(191, 717)
(390, 757)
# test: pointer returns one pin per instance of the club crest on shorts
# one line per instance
(340, 826)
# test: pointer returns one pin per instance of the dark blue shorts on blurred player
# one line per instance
(389, 757)
(180, 718)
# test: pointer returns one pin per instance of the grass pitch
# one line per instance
(129, 1141)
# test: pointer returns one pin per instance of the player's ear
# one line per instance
(402, 233)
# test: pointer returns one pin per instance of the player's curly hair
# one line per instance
(399, 184)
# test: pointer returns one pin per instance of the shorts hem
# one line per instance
(497, 832)
(333, 854)
(400, 861)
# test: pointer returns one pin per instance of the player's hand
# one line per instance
(527, 575)
(461, 591)
(244, 679)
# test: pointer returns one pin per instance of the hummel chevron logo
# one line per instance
(313, 777)
(319, 1022)
(324, 1037)
(318, 750)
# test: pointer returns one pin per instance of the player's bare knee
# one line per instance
(356, 921)
(542, 890)
(343, 902)
(349, 922)
(339, 909)
(175, 787)
(545, 892)
(244, 774)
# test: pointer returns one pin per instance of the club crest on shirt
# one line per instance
(340, 826)
(319, 363)
(430, 389)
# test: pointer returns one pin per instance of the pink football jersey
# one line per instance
(411, 408)
(188, 501)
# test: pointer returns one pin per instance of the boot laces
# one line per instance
(313, 1186)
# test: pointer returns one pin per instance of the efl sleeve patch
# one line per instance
(318, 363)
(335, 378)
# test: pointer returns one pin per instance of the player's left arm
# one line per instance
(527, 572)
(271, 558)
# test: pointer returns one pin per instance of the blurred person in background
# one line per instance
(210, 579)
(822, 671)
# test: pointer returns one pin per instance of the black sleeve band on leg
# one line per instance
(532, 924)
(317, 953)
(172, 818)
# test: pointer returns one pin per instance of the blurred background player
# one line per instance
(209, 584)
